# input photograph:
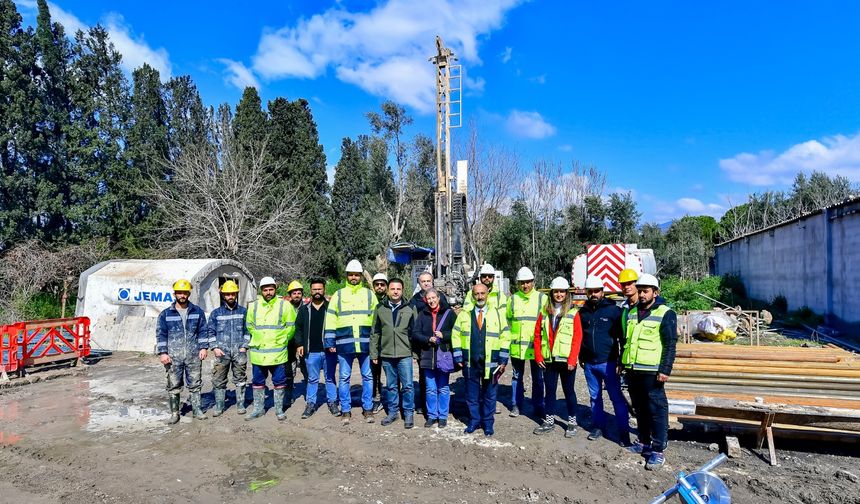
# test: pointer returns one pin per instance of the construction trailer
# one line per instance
(123, 297)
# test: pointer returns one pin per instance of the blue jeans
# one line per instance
(598, 376)
(260, 373)
(398, 370)
(438, 394)
(316, 363)
(345, 363)
(518, 389)
(554, 371)
(480, 398)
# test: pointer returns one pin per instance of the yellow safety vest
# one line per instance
(563, 336)
(349, 318)
(523, 311)
(496, 341)
(643, 348)
(271, 326)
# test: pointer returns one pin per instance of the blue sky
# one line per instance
(689, 105)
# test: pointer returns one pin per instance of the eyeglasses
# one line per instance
(488, 276)
(380, 284)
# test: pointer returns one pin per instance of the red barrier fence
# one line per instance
(44, 341)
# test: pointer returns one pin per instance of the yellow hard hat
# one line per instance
(295, 285)
(627, 275)
(229, 287)
(182, 285)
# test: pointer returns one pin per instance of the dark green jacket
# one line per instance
(389, 339)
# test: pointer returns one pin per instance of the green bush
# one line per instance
(681, 294)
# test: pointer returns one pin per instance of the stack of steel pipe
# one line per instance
(806, 375)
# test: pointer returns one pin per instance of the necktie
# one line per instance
(480, 319)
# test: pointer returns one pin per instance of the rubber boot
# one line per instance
(240, 399)
(259, 403)
(195, 406)
(220, 396)
(279, 403)
(173, 400)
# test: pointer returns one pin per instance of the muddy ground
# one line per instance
(97, 435)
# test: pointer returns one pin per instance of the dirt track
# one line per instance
(98, 436)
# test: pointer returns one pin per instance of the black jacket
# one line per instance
(601, 332)
(417, 301)
(303, 326)
(668, 333)
(422, 331)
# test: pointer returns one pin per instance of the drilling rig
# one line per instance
(450, 270)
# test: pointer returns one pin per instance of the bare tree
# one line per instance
(493, 171)
(222, 202)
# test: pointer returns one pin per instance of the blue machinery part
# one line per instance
(700, 487)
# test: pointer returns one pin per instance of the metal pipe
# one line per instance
(769, 376)
(799, 383)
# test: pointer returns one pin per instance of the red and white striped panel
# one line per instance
(606, 262)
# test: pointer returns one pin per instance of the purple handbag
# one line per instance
(444, 359)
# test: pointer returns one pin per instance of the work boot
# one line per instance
(390, 418)
(368, 415)
(409, 422)
(195, 407)
(309, 410)
(345, 418)
(546, 427)
(570, 430)
(259, 404)
(220, 396)
(515, 411)
(240, 399)
(334, 409)
(278, 396)
(173, 400)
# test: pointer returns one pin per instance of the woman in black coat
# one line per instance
(432, 334)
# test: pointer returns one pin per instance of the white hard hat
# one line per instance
(648, 280)
(559, 283)
(354, 267)
(525, 274)
(380, 276)
(267, 281)
(487, 269)
(593, 282)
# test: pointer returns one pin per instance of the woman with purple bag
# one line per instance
(432, 334)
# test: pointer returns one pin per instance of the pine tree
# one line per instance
(250, 124)
(189, 120)
(356, 222)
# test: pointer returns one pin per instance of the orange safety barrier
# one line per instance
(45, 341)
(9, 351)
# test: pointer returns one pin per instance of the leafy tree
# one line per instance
(188, 119)
(688, 252)
(510, 244)
(623, 218)
(652, 237)
(250, 124)
(354, 217)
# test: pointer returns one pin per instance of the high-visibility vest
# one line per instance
(523, 311)
(271, 325)
(349, 318)
(495, 298)
(497, 338)
(563, 339)
(643, 348)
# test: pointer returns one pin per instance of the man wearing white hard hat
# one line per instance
(348, 324)
(270, 320)
(524, 306)
(495, 298)
(557, 340)
(649, 353)
(600, 357)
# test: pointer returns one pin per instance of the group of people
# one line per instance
(385, 333)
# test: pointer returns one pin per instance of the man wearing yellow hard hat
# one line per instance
(295, 295)
(181, 344)
(228, 339)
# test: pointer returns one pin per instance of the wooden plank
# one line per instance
(744, 368)
(832, 422)
(767, 362)
(779, 431)
(687, 395)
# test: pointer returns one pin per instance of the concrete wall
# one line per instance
(813, 261)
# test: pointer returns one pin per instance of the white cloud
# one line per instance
(540, 79)
(134, 49)
(836, 155)
(506, 54)
(565, 148)
(474, 86)
(383, 51)
(238, 75)
(528, 125)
